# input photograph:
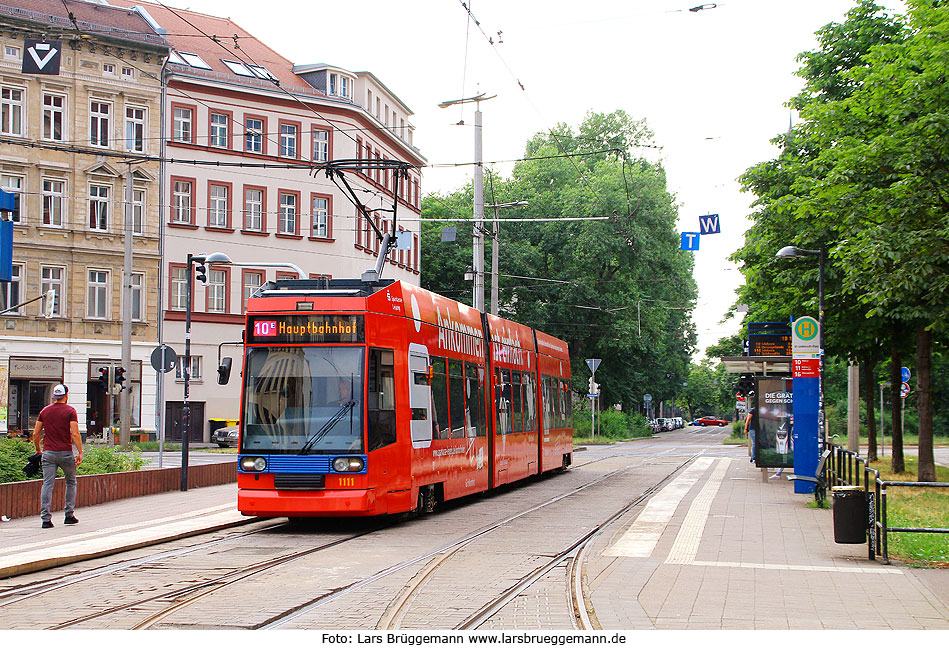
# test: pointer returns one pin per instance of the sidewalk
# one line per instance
(718, 548)
(116, 526)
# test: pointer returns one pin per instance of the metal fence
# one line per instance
(846, 468)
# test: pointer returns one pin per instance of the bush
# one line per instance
(95, 461)
(611, 424)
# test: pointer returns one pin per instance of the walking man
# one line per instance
(58, 428)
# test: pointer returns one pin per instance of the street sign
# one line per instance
(905, 375)
(805, 368)
(904, 390)
(41, 57)
(805, 338)
(164, 358)
(708, 224)
(593, 363)
(690, 241)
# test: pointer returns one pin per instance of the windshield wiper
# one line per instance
(329, 425)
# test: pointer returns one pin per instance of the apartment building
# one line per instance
(69, 143)
(243, 129)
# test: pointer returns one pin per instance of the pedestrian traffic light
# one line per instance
(104, 377)
(746, 384)
(120, 377)
(202, 273)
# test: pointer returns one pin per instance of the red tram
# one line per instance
(369, 398)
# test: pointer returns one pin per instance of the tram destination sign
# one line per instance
(769, 344)
(298, 328)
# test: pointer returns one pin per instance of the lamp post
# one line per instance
(791, 252)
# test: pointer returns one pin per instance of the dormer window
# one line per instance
(340, 86)
(194, 60)
(237, 68)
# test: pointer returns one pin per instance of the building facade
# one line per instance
(69, 145)
(245, 132)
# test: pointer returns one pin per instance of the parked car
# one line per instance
(679, 423)
(227, 437)
(710, 420)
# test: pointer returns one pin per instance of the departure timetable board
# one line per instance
(769, 344)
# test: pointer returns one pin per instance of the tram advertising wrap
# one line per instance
(774, 423)
(373, 398)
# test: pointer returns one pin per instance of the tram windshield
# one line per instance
(303, 400)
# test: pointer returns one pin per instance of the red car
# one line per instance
(711, 420)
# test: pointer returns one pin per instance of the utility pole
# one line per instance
(477, 300)
(125, 416)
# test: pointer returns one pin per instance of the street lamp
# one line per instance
(791, 252)
(216, 258)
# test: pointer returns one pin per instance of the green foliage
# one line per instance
(710, 390)
(612, 425)
(15, 453)
(618, 289)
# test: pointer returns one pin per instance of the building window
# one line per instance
(288, 214)
(14, 184)
(138, 211)
(99, 208)
(339, 85)
(135, 129)
(11, 52)
(138, 285)
(10, 292)
(53, 114)
(54, 198)
(179, 288)
(219, 130)
(194, 60)
(181, 202)
(253, 135)
(108, 68)
(181, 127)
(254, 210)
(52, 279)
(99, 112)
(11, 111)
(217, 206)
(217, 291)
(128, 73)
(288, 140)
(97, 294)
(252, 281)
(320, 212)
(194, 372)
(321, 145)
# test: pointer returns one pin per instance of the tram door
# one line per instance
(420, 396)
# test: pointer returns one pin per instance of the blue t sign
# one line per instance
(690, 241)
(709, 224)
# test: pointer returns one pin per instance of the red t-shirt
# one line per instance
(56, 418)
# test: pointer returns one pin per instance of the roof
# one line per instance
(213, 39)
(100, 19)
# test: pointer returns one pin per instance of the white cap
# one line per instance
(59, 391)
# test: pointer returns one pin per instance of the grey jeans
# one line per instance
(65, 460)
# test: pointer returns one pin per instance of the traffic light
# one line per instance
(120, 377)
(104, 377)
(746, 384)
(202, 273)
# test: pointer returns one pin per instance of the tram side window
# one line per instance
(546, 402)
(381, 403)
(563, 398)
(555, 401)
(456, 398)
(568, 404)
(530, 402)
(517, 398)
(474, 399)
(503, 400)
(440, 398)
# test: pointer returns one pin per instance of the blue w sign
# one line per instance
(708, 224)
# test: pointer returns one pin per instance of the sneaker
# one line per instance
(71, 519)
(47, 524)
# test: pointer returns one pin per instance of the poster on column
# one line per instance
(773, 423)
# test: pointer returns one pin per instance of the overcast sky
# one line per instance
(712, 84)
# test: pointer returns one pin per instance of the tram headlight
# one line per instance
(253, 464)
(348, 464)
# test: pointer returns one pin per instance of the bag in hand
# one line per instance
(32, 467)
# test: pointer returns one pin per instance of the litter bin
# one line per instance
(216, 424)
(850, 514)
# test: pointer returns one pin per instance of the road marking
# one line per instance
(686, 544)
(643, 535)
(812, 568)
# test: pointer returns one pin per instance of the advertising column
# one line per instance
(805, 373)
